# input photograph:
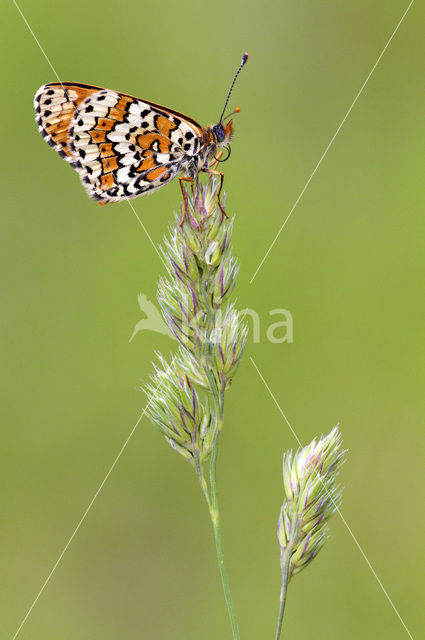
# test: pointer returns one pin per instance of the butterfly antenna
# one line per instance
(244, 59)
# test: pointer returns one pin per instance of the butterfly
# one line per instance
(123, 147)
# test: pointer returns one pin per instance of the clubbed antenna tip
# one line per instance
(244, 59)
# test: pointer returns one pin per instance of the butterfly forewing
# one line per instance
(121, 146)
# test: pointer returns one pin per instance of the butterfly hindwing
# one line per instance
(121, 146)
(118, 150)
(55, 105)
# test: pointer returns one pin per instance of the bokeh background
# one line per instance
(349, 266)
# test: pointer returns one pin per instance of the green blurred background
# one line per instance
(349, 266)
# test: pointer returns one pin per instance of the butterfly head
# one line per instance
(223, 133)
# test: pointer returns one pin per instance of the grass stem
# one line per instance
(215, 519)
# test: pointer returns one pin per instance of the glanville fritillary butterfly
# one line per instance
(123, 147)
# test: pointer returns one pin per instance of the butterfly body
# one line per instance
(121, 146)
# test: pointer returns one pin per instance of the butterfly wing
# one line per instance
(55, 105)
(121, 146)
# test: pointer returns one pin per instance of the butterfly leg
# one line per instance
(213, 172)
(186, 179)
(215, 161)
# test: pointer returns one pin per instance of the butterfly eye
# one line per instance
(219, 132)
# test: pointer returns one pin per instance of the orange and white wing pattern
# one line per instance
(121, 146)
